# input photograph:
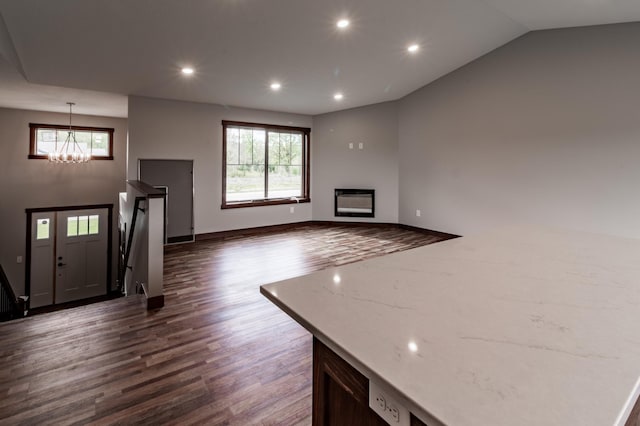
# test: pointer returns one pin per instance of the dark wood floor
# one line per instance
(217, 353)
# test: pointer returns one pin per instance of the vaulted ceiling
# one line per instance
(96, 52)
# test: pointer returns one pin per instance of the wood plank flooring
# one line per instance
(218, 352)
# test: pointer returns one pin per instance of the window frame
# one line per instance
(33, 131)
(306, 165)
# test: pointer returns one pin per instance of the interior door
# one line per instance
(81, 254)
(177, 177)
(42, 256)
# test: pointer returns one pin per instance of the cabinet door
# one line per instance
(634, 416)
(340, 392)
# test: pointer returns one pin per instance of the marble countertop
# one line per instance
(519, 326)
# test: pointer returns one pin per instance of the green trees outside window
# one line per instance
(264, 163)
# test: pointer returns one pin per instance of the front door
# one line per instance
(81, 254)
(71, 262)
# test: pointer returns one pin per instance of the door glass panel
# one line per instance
(72, 226)
(83, 225)
(42, 229)
(94, 224)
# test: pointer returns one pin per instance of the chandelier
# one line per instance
(70, 151)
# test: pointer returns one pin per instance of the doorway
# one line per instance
(68, 254)
(175, 177)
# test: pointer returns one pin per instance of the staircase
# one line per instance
(140, 262)
(11, 307)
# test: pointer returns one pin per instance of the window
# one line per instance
(42, 229)
(264, 164)
(83, 225)
(46, 138)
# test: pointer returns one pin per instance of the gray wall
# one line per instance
(545, 129)
(164, 129)
(373, 167)
(28, 183)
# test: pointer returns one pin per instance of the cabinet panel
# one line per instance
(341, 393)
(634, 416)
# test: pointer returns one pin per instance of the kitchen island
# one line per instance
(519, 326)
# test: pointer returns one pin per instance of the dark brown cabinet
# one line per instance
(341, 393)
(634, 416)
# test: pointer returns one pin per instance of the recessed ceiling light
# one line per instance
(338, 96)
(187, 70)
(413, 48)
(343, 23)
(275, 86)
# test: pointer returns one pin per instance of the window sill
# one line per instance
(260, 203)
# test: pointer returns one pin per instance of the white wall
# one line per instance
(28, 183)
(545, 129)
(164, 129)
(373, 167)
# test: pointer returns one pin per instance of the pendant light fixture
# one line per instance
(70, 151)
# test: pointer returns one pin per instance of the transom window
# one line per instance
(264, 164)
(46, 138)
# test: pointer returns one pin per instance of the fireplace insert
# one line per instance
(355, 202)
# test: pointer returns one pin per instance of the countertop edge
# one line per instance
(414, 408)
(623, 417)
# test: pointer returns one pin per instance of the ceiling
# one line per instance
(96, 52)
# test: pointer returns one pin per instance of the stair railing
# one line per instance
(125, 263)
(11, 307)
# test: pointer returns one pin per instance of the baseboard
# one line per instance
(246, 232)
(74, 304)
(352, 223)
(155, 302)
(443, 235)
(181, 239)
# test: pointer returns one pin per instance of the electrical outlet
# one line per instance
(19, 259)
(395, 414)
(360, 145)
(351, 145)
(387, 407)
(418, 213)
(382, 404)
(292, 209)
